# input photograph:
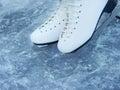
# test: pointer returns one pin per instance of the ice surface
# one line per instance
(24, 66)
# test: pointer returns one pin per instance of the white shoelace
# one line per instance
(73, 13)
(51, 17)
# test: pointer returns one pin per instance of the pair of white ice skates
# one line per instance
(73, 23)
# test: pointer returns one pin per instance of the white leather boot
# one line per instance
(49, 32)
(82, 19)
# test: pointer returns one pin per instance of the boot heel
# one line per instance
(110, 6)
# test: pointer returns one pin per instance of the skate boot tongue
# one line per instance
(74, 8)
(72, 2)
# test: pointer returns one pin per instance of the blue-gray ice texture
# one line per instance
(24, 66)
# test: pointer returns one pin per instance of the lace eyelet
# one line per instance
(66, 24)
(79, 11)
(52, 16)
(49, 19)
(64, 40)
(65, 28)
(74, 28)
(80, 5)
(68, 36)
(67, 19)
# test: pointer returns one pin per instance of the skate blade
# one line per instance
(118, 16)
(111, 17)
(41, 46)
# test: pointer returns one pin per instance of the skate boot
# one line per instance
(49, 32)
(82, 20)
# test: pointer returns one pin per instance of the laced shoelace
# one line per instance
(72, 20)
(51, 18)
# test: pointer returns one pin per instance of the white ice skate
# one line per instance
(49, 32)
(82, 20)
